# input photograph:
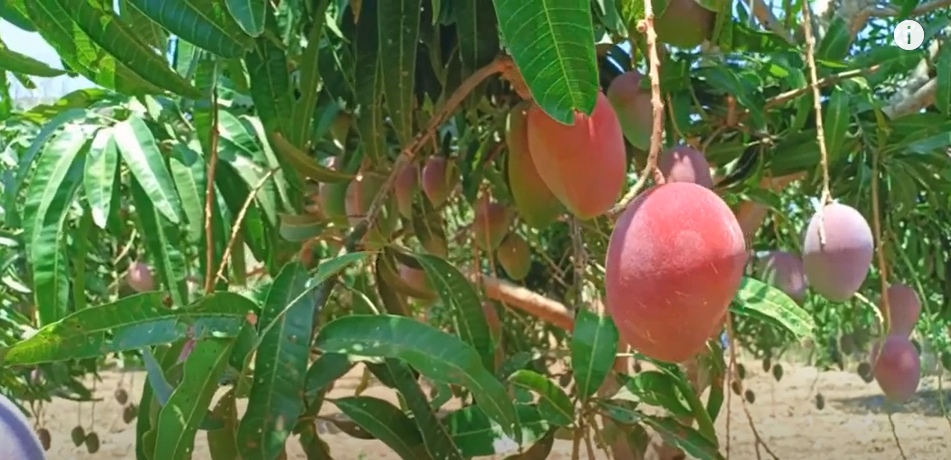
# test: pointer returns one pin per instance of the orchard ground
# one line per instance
(852, 426)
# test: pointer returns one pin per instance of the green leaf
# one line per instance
(80, 52)
(552, 43)
(436, 437)
(686, 438)
(162, 238)
(102, 24)
(148, 31)
(477, 435)
(53, 187)
(249, 14)
(271, 88)
(188, 173)
(368, 84)
(385, 422)
(760, 300)
(238, 148)
(593, 349)
(326, 369)
(136, 321)
(13, 13)
(12, 61)
(146, 163)
(553, 404)
(835, 121)
(657, 389)
(179, 419)
(301, 228)
(478, 33)
(835, 44)
(304, 165)
(461, 297)
(102, 165)
(943, 80)
(222, 443)
(303, 112)
(203, 23)
(398, 25)
(280, 365)
(27, 162)
(673, 432)
(435, 354)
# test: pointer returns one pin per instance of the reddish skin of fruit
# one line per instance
(684, 164)
(905, 308)
(584, 165)
(439, 178)
(632, 104)
(784, 271)
(515, 256)
(674, 263)
(360, 194)
(140, 278)
(491, 223)
(684, 24)
(407, 183)
(17, 438)
(897, 369)
(837, 270)
(533, 200)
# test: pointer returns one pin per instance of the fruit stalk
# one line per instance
(657, 103)
(880, 245)
(817, 103)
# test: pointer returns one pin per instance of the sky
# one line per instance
(31, 44)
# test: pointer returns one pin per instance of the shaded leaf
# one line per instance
(280, 365)
(553, 404)
(435, 354)
(384, 421)
(398, 25)
(593, 346)
(179, 419)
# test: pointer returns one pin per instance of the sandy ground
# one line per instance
(853, 425)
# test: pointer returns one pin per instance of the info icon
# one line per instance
(909, 35)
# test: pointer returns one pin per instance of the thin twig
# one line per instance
(657, 103)
(817, 103)
(756, 436)
(408, 152)
(128, 247)
(895, 436)
(787, 96)
(236, 229)
(731, 371)
(210, 188)
(880, 246)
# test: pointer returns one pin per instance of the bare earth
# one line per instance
(852, 426)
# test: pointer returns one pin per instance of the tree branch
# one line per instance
(883, 11)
